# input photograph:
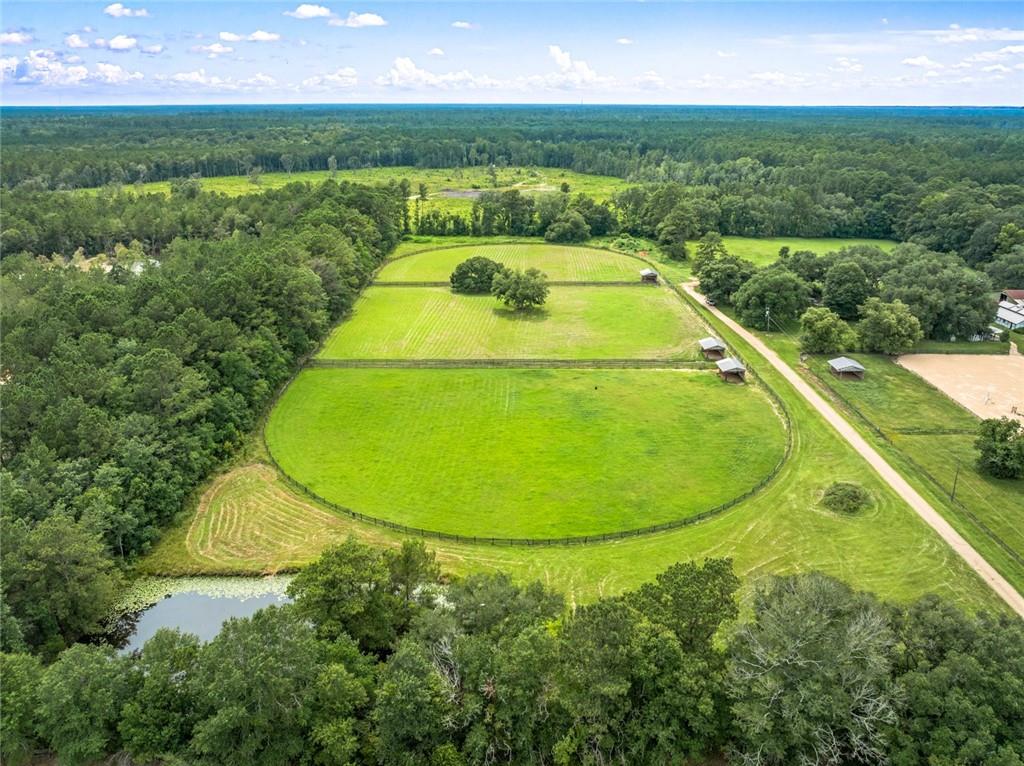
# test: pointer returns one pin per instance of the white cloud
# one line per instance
(112, 74)
(572, 73)
(75, 41)
(923, 62)
(1002, 54)
(345, 77)
(650, 79)
(15, 38)
(122, 43)
(213, 49)
(309, 11)
(777, 79)
(435, 52)
(725, 54)
(260, 36)
(229, 37)
(117, 10)
(847, 64)
(199, 79)
(996, 68)
(956, 34)
(152, 50)
(463, 25)
(356, 20)
(405, 74)
(625, 41)
(47, 68)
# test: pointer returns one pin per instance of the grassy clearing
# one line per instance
(783, 529)
(524, 453)
(575, 323)
(895, 399)
(560, 263)
(920, 425)
(439, 181)
(962, 347)
(765, 251)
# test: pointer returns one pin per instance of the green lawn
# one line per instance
(895, 399)
(524, 453)
(574, 323)
(763, 251)
(920, 423)
(560, 263)
(439, 181)
(998, 504)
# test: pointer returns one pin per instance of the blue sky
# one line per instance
(327, 51)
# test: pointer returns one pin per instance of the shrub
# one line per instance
(475, 275)
(846, 497)
(1000, 447)
(570, 226)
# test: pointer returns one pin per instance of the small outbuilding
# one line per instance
(844, 367)
(712, 348)
(649, 275)
(731, 371)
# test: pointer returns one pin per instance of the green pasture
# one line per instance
(764, 251)
(895, 399)
(575, 323)
(524, 453)
(561, 263)
(783, 529)
(440, 182)
(932, 438)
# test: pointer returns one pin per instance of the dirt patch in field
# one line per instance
(989, 386)
(460, 193)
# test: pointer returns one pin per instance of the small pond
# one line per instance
(197, 605)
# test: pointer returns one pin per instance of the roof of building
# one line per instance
(648, 273)
(730, 365)
(1010, 312)
(1015, 294)
(712, 344)
(845, 364)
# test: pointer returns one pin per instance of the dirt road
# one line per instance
(900, 485)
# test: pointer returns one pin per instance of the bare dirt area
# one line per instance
(989, 386)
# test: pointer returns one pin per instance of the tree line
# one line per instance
(946, 179)
(124, 387)
(377, 661)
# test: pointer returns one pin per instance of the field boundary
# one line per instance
(486, 362)
(311, 362)
(880, 433)
(550, 283)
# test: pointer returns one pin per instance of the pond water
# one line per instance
(197, 605)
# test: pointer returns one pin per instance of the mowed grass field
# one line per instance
(575, 323)
(524, 453)
(561, 263)
(937, 435)
(249, 522)
(763, 251)
(440, 182)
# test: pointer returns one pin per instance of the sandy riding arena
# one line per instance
(989, 386)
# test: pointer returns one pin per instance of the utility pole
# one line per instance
(956, 476)
(767, 318)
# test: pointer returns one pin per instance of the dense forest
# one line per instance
(378, 662)
(934, 176)
(125, 387)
